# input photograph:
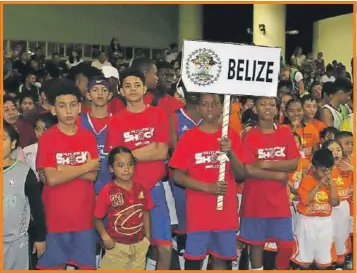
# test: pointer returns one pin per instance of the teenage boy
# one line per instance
(67, 159)
(265, 209)
(146, 131)
(196, 161)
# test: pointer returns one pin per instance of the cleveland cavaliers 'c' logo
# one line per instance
(122, 223)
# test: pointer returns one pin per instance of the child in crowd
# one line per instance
(67, 156)
(317, 195)
(43, 123)
(196, 167)
(340, 213)
(146, 131)
(328, 133)
(276, 153)
(310, 108)
(27, 103)
(126, 204)
(22, 199)
(308, 133)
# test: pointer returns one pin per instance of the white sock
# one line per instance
(150, 264)
(182, 260)
(98, 259)
(257, 268)
(205, 263)
(70, 267)
(235, 264)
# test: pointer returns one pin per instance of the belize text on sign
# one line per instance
(209, 67)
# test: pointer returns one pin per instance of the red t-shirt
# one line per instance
(197, 153)
(167, 103)
(137, 130)
(68, 206)
(124, 209)
(85, 109)
(115, 106)
(268, 198)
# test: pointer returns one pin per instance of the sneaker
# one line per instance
(349, 265)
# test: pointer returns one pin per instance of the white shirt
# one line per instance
(171, 57)
(99, 65)
(326, 78)
(30, 156)
(70, 65)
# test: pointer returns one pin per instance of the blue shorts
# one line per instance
(160, 217)
(258, 231)
(180, 205)
(220, 244)
(73, 248)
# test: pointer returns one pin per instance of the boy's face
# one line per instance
(99, 95)
(285, 74)
(82, 84)
(133, 89)
(210, 107)
(151, 77)
(329, 135)
(347, 145)
(67, 109)
(8, 145)
(248, 105)
(284, 100)
(336, 150)
(321, 172)
(123, 167)
(266, 108)
(27, 105)
(40, 128)
(11, 113)
(31, 79)
(165, 76)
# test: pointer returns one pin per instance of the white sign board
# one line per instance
(235, 69)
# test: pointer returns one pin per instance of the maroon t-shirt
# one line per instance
(124, 210)
(26, 132)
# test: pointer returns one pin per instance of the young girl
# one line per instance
(340, 213)
(126, 204)
(22, 198)
(44, 122)
(310, 108)
(308, 133)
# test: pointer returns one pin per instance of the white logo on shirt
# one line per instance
(140, 136)
(271, 153)
(184, 128)
(71, 158)
(211, 158)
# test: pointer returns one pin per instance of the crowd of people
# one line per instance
(116, 167)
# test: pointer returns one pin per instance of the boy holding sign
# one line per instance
(265, 210)
(196, 162)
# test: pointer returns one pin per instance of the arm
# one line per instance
(59, 176)
(237, 167)
(326, 117)
(151, 152)
(173, 133)
(254, 172)
(301, 87)
(182, 179)
(334, 195)
(90, 176)
(292, 189)
(99, 226)
(147, 224)
(280, 166)
(33, 193)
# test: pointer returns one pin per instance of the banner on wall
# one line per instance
(235, 69)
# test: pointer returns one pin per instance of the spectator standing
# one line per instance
(101, 60)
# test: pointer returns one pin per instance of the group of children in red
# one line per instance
(300, 204)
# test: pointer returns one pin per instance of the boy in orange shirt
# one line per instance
(314, 232)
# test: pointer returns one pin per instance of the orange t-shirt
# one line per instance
(320, 205)
(235, 107)
(319, 125)
(343, 181)
(309, 138)
(295, 177)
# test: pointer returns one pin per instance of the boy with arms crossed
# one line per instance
(145, 130)
(69, 168)
(196, 168)
(265, 209)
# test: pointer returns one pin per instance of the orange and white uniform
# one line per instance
(341, 213)
(309, 137)
(314, 231)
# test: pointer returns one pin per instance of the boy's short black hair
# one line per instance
(142, 64)
(173, 45)
(47, 87)
(221, 97)
(250, 118)
(257, 98)
(286, 84)
(323, 158)
(63, 87)
(328, 130)
(48, 119)
(243, 99)
(341, 134)
(86, 70)
(328, 88)
(27, 94)
(12, 132)
(343, 84)
(163, 65)
(119, 150)
(7, 98)
(328, 143)
(307, 97)
(133, 72)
